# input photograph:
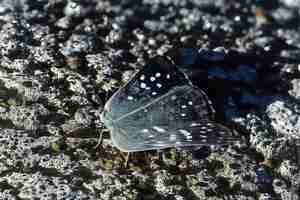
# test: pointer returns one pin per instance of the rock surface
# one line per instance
(60, 61)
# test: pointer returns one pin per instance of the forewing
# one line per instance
(155, 80)
(181, 104)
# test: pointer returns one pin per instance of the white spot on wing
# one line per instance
(187, 134)
(130, 98)
(183, 106)
(158, 129)
(143, 85)
(209, 124)
(152, 78)
(183, 114)
(168, 76)
(145, 131)
(222, 132)
(158, 85)
(157, 75)
(142, 77)
(190, 103)
(154, 93)
(194, 124)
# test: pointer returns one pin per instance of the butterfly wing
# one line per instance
(179, 118)
(155, 80)
(158, 108)
(195, 133)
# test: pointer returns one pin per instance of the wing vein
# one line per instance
(152, 102)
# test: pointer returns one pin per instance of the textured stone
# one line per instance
(61, 60)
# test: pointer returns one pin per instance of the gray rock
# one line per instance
(60, 61)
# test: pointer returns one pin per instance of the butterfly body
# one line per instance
(160, 108)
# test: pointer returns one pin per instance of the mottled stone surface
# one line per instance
(61, 60)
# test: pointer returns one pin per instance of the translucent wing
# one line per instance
(180, 105)
(179, 118)
(194, 134)
(156, 79)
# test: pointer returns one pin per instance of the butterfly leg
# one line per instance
(100, 139)
(127, 157)
(159, 155)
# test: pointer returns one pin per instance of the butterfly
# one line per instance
(160, 108)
